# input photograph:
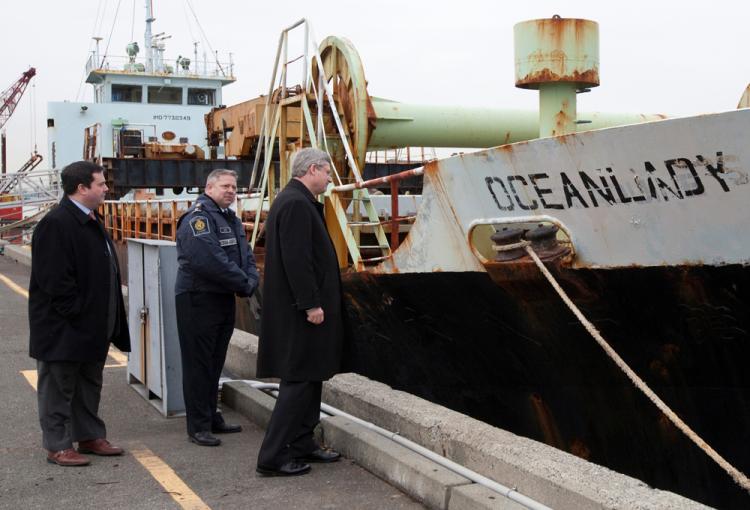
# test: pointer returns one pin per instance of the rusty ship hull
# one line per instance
(653, 219)
(514, 356)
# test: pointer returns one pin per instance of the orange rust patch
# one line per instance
(590, 77)
(579, 449)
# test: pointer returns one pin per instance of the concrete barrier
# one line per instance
(252, 403)
(477, 497)
(544, 473)
(21, 254)
(242, 355)
(414, 474)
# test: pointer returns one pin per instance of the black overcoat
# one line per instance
(69, 288)
(301, 272)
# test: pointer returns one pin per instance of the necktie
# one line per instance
(93, 217)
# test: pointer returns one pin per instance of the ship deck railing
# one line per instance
(166, 67)
(157, 219)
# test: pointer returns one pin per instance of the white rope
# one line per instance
(509, 247)
(735, 473)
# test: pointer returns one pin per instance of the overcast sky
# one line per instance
(677, 57)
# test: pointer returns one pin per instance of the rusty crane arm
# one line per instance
(12, 95)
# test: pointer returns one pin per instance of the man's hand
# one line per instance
(315, 315)
(248, 292)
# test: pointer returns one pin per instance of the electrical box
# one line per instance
(154, 365)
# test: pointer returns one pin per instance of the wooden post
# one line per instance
(137, 208)
(148, 220)
(160, 225)
(173, 224)
(115, 223)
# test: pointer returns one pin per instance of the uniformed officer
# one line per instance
(215, 264)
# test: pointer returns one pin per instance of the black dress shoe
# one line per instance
(291, 468)
(321, 455)
(226, 428)
(204, 438)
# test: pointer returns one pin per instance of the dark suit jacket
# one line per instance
(69, 288)
(301, 272)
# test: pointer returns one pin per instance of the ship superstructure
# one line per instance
(138, 101)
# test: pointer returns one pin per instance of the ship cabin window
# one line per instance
(201, 97)
(127, 93)
(165, 95)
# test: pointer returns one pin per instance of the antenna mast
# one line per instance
(149, 50)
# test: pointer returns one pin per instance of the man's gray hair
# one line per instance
(306, 157)
(214, 175)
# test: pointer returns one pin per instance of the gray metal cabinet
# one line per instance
(154, 366)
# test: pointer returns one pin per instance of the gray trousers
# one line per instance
(68, 393)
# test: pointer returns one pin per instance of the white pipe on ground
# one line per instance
(475, 477)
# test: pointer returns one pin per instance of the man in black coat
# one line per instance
(215, 265)
(75, 310)
(301, 331)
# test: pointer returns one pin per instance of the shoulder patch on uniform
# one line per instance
(199, 226)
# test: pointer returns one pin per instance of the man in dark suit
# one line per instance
(216, 264)
(302, 331)
(75, 310)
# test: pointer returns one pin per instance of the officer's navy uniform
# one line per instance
(215, 264)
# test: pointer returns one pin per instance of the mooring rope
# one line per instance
(735, 473)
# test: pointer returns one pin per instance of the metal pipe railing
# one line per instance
(414, 172)
(393, 180)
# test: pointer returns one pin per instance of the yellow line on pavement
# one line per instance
(14, 286)
(118, 356)
(168, 479)
(31, 377)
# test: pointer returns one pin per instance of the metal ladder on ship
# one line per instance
(362, 197)
(352, 231)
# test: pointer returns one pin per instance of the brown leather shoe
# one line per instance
(99, 447)
(68, 457)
